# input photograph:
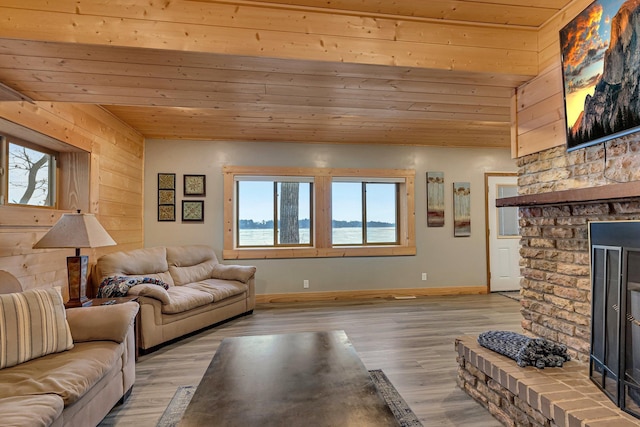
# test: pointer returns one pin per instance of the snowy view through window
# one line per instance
(29, 181)
(258, 209)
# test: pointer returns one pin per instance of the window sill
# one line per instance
(337, 252)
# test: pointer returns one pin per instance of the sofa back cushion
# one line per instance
(148, 262)
(193, 263)
(33, 323)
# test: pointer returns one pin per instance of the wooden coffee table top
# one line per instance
(305, 379)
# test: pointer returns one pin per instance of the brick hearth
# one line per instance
(530, 397)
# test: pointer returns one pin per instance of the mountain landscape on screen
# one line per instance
(614, 105)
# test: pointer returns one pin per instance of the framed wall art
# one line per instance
(166, 197)
(166, 212)
(435, 199)
(166, 181)
(461, 209)
(193, 210)
(194, 185)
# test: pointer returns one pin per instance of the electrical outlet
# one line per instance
(424, 276)
(305, 284)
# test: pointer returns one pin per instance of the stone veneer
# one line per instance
(554, 249)
(556, 293)
(556, 169)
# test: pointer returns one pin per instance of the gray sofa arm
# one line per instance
(241, 273)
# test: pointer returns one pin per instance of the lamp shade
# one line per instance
(76, 230)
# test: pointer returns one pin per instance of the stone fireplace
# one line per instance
(560, 194)
(563, 192)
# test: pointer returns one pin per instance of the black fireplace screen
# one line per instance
(615, 321)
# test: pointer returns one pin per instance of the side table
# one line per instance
(122, 300)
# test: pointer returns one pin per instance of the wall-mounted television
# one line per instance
(601, 72)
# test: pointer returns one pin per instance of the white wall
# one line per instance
(448, 261)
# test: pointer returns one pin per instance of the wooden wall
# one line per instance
(115, 188)
(539, 120)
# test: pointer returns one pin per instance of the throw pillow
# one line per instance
(33, 323)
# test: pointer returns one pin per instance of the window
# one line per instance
(364, 213)
(508, 220)
(28, 173)
(273, 211)
(317, 212)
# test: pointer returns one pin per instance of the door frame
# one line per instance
(487, 175)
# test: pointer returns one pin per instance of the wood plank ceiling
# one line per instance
(432, 72)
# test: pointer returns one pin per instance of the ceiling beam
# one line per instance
(262, 31)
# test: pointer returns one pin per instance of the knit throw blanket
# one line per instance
(526, 351)
(118, 286)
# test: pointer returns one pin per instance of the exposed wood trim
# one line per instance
(370, 294)
(514, 125)
(335, 10)
(21, 131)
(10, 94)
(606, 193)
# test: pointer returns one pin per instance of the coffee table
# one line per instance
(303, 379)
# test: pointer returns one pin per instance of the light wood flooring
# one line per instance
(412, 341)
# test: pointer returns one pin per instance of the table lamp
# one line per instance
(76, 230)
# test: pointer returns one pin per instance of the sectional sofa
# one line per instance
(61, 367)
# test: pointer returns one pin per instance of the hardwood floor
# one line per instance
(412, 341)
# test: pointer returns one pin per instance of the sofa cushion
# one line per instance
(31, 411)
(69, 374)
(33, 323)
(188, 264)
(148, 262)
(219, 289)
(183, 298)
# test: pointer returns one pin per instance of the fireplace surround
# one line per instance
(614, 362)
(560, 194)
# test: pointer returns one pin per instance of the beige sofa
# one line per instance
(65, 387)
(200, 291)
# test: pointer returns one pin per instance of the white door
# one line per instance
(504, 236)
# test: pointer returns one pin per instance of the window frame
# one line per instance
(321, 214)
(5, 141)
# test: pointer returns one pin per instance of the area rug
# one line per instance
(404, 415)
(173, 414)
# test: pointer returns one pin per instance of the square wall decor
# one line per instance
(166, 181)
(193, 210)
(194, 185)
(166, 212)
(166, 197)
